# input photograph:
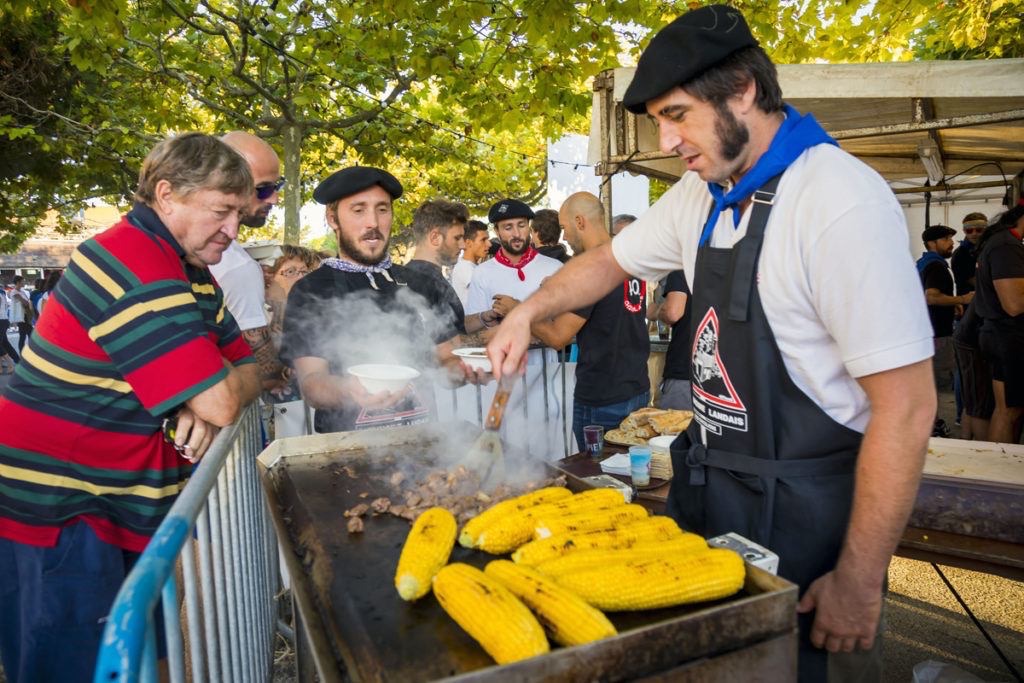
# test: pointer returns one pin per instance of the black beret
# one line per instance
(684, 49)
(509, 208)
(936, 232)
(348, 181)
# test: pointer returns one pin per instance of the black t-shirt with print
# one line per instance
(614, 347)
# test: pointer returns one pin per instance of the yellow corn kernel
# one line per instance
(426, 550)
(589, 520)
(472, 529)
(663, 582)
(490, 613)
(584, 560)
(565, 616)
(656, 528)
(513, 530)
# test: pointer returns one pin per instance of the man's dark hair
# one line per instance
(18, 279)
(719, 83)
(545, 224)
(472, 228)
(439, 214)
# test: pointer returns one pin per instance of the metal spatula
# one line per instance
(487, 454)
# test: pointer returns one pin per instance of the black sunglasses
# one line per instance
(265, 190)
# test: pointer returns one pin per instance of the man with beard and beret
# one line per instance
(238, 274)
(611, 373)
(361, 308)
(811, 361)
(515, 272)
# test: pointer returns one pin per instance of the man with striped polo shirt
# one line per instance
(136, 332)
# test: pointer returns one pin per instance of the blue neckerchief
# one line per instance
(796, 134)
(928, 258)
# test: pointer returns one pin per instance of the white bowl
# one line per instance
(475, 357)
(377, 377)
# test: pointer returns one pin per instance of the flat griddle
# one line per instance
(361, 630)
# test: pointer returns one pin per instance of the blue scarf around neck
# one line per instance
(796, 134)
(928, 258)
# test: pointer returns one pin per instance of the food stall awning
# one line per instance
(894, 116)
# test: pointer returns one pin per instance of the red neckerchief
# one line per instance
(1013, 231)
(524, 259)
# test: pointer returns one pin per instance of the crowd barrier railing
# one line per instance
(218, 543)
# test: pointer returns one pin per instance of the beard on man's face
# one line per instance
(258, 218)
(357, 249)
(520, 245)
(733, 136)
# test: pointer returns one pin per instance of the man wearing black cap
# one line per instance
(943, 306)
(811, 381)
(361, 308)
(514, 273)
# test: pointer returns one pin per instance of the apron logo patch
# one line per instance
(716, 404)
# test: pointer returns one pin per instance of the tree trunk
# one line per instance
(292, 174)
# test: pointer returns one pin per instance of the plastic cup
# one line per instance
(640, 465)
(593, 440)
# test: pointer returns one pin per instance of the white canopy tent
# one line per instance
(960, 123)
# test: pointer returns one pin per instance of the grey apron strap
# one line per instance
(746, 251)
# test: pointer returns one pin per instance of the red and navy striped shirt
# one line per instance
(130, 333)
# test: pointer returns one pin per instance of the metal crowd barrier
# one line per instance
(221, 536)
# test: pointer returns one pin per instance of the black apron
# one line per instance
(772, 466)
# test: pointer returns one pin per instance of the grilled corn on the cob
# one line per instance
(512, 530)
(593, 559)
(426, 550)
(663, 582)
(567, 618)
(490, 613)
(547, 526)
(472, 528)
(657, 528)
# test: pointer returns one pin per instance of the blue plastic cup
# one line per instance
(640, 465)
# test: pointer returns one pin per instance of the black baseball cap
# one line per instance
(936, 232)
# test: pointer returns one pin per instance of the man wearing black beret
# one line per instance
(811, 357)
(515, 272)
(361, 308)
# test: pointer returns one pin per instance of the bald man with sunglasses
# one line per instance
(238, 274)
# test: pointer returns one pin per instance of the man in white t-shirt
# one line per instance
(238, 274)
(811, 360)
(476, 242)
(532, 417)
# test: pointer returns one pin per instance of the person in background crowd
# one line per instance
(292, 265)
(620, 221)
(937, 281)
(37, 293)
(10, 356)
(674, 310)
(975, 377)
(238, 274)
(611, 373)
(964, 261)
(20, 312)
(515, 272)
(139, 321)
(964, 264)
(475, 243)
(363, 294)
(999, 301)
(48, 286)
(546, 233)
(812, 390)
(439, 227)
